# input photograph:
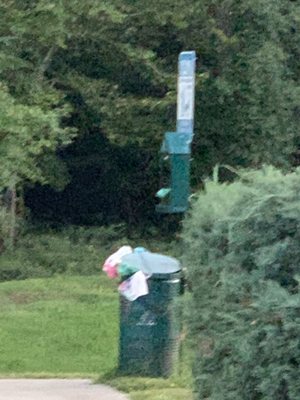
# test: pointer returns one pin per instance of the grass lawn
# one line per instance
(152, 388)
(67, 326)
(59, 326)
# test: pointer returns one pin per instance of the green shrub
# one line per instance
(242, 251)
(78, 251)
(44, 252)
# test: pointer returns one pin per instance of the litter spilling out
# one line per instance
(133, 267)
(133, 280)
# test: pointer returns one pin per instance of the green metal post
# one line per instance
(180, 182)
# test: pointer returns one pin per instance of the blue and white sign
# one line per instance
(186, 92)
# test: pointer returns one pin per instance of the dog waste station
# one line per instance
(150, 283)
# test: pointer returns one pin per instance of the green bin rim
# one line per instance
(167, 277)
(156, 265)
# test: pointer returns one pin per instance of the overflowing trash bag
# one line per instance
(134, 267)
(133, 280)
(113, 261)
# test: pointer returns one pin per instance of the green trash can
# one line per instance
(149, 329)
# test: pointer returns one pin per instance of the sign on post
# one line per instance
(175, 197)
(186, 92)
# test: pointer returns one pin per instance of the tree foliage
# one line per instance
(247, 108)
(242, 253)
(31, 108)
(111, 68)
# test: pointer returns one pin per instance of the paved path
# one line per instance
(56, 389)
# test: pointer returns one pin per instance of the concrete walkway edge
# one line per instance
(56, 389)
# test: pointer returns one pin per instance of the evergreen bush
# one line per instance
(242, 252)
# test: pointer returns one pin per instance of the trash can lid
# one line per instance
(153, 263)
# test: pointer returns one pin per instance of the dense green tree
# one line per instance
(31, 108)
(114, 64)
(34, 35)
(247, 107)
